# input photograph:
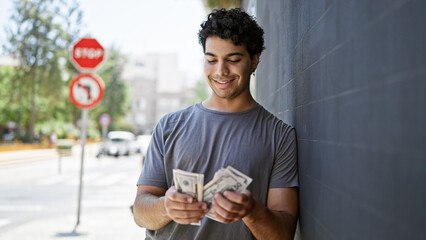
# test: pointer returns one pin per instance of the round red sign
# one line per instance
(104, 119)
(86, 90)
(87, 54)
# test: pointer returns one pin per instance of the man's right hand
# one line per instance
(182, 208)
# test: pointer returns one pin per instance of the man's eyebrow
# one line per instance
(234, 54)
(210, 54)
(228, 55)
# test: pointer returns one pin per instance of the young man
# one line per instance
(228, 128)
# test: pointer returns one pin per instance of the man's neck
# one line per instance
(229, 105)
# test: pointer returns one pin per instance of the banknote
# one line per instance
(189, 183)
(225, 179)
(228, 179)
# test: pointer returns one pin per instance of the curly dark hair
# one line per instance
(235, 24)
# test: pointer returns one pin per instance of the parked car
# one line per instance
(120, 143)
(143, 143)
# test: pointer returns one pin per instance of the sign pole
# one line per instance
(104, 121)
(86, 91)
(84, 121)
(103, 143)
(104, 132)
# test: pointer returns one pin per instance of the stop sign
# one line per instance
(87, 54)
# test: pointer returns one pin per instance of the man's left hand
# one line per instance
(231, 207)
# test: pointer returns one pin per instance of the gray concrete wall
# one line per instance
(350, 75)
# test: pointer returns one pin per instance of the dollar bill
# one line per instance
(191, 184)
(228, 179)
(225, 179)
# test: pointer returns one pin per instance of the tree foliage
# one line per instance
(39, 36)
(200, 92)
(116, 102)
(36, 93)
(223, 3)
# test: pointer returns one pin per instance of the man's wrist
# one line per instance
(253, 214)
(164, 213)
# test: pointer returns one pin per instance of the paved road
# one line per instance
(38, 203)
(26, 156)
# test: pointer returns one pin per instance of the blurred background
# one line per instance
(152, 66)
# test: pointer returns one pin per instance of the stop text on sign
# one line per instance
(90, 53)
(87, 54)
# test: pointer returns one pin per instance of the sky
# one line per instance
(137, 27)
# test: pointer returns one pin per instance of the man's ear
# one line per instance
(255, 61)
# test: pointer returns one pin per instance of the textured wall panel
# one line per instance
(351, 77)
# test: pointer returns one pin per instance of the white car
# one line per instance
(143, 143)
(121, 143)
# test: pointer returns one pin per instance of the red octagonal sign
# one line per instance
(87, 54)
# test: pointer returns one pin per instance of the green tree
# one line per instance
(7, 106)
(12, 100)
(200, 92)
(116, 101)
(39, 36)
(212, 4)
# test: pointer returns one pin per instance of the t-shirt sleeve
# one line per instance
(153, 173)
(285, 172)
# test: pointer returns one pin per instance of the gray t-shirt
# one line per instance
(200, 140)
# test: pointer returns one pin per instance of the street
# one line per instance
(39, 202)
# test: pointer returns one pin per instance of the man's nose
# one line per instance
(222, 69)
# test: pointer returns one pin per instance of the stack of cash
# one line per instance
(225, 179)
(189, 183)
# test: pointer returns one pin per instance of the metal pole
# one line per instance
(84, 120)
(59, 163)
(104, 132)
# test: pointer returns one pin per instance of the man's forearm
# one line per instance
(149, 211)
(269, 224)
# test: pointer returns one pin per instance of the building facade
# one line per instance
(156, 88)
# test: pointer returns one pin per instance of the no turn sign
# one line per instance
(86, 90)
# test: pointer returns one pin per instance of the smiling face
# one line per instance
(228, 68)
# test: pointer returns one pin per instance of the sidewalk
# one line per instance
(24, 156)
(37, 154)
(105, 213)
(94, 225)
